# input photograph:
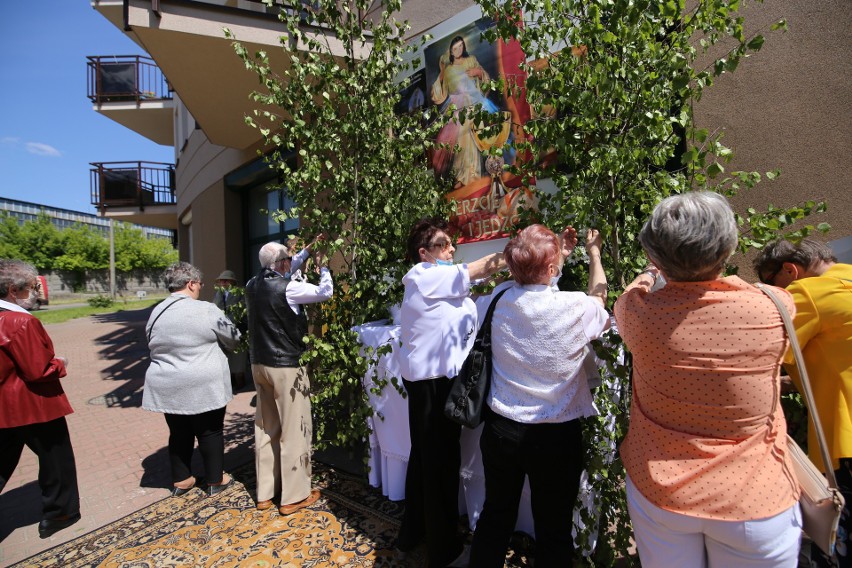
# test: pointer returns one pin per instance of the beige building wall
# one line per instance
(786, 107)
(789, 107)
(208, 235)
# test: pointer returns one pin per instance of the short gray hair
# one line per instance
(272, 252)
(690, 236)
(179, 274)
(15, 273)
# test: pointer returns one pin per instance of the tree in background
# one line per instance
(612, 84)
(84, 248)
(133, 251)
(356, 171)
(80, 248)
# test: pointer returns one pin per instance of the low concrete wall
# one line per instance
(62, 283)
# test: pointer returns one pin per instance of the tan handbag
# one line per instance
(821, 501)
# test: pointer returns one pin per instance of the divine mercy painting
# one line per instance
(472, 154)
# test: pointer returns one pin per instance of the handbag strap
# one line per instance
(806, 383)
(486, 323)
(151, 328)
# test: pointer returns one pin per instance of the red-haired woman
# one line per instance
(538, 395)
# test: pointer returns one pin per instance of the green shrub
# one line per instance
(100, 301)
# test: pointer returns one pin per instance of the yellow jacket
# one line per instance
(823, 325)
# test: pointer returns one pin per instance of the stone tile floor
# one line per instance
(120, 449)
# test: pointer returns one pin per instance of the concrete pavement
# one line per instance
(120, 449)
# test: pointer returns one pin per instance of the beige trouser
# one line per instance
(282, 433)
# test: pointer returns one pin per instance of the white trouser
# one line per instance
(666, 539)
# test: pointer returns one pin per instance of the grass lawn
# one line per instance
(65, 314)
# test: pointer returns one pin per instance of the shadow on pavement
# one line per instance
(239, 449)
(127, 352)
(17, 510)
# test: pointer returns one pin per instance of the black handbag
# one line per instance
(470, 387)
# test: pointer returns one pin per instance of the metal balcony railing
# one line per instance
(132, 184)
(125, 78)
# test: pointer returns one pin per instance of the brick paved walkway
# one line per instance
(121, 454)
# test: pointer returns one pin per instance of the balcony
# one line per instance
(136, 192)
(132, 90)
(186, 40)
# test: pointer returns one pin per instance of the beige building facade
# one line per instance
(786, 107)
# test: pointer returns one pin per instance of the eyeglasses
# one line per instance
(199, 282)
(443, 244)
(283, 258)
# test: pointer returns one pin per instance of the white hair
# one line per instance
(272, 252)
(15, 273)
(690, 236)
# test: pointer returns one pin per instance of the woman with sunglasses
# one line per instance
(189, 379)
(438, 324)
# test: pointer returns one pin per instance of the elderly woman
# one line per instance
(438, 326)
(538, 396)
(189, 379)
(709, 479)
(33, 405)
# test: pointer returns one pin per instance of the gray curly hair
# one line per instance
(179, 274)
(15, 273)
(690, 236)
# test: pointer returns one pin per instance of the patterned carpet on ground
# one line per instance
(352, 525)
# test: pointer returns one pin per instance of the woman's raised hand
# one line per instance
(594, 240)
(569, 240)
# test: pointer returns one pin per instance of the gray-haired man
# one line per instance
(283, 427)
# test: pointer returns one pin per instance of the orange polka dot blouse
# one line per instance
(707, 435)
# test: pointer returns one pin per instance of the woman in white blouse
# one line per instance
(538, 394)
(437, 327)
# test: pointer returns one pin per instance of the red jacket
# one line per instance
(30, 391)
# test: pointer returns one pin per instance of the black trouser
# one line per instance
(184, 429)
(551, 455)
(57, 470)
(432, 478)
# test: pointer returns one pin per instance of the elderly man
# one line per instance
(283, 428)
(822, 290)
(229, 299)
(33, 405)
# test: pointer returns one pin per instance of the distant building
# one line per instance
(65, 218)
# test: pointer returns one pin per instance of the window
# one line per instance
(262, 197)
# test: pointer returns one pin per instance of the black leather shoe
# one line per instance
(216, 489)
(47, 527)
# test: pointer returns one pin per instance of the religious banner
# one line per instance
(458, 69)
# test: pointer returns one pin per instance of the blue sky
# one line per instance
(48, 130)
